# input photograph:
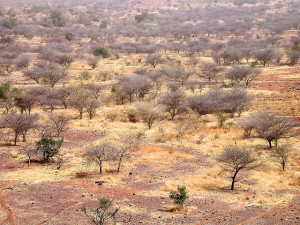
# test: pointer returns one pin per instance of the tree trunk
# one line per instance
(233, 179)
(16, 137)
(100, 167)
(24, 136)
(119, 165)
(283, 165)
(270, 144)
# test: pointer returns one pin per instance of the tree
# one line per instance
(238, 74)
(149, 112)
(100, 153)
(103, 213)
(34, 74)
(154, 59)
(179, 196)
(58, 17)
(78, 100)
(221, 118)
(60, 123)
(20, 124)
(264, 56)
(294, 56)
(210, 71)
(102, 52)
(281, 154)
(93, 61)
(173, 103)
(271, 126)
(54, 74)
(23, 61)
(94, 89)
(91, 106)
(29, 151)
(48, 148)
(237, 158)
(9, 22)
(178, 74)
(7, 61)
(123, 151)
(248, 125)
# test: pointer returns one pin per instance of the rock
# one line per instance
(130, 173)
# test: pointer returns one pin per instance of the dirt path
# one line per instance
(58, 212)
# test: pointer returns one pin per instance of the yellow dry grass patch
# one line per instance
(156, 154)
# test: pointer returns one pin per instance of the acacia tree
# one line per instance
(149, 112)
(54, 75)
(281, 154)
(78, 100)
(91, 106)
(239, 74)
(235, 159)
(293, 56)
(154, 59)
(28, 150)
(264, 56)
(7, 61)
(210, 71)
(173, 103)
(271, 126)
(20, 124)
(123, 151)
(23, 62)
(100, 153)
(60, 123)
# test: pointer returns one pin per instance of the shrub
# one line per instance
(179, 196)
(102, 52)
(48, 148)
(132, 116)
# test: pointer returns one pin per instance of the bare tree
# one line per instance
(123, 151)
(23, 61)
(294, 56)
(149, 112)
(281, 154)
(173, 103)
(91, 106)
(237, 158)
(100, 153)
(28, 150)
(93, 62)
(264, 56)
(60, 123)
(7, 61)
(54, 74)
(210, 71)
(94, 89)
(78, 100)
(154, 59)
(271, 126)
(20, 124)
(34, 74)
(238, 74)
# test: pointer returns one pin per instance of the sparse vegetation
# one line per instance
(133, 99)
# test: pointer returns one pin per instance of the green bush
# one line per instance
(48, 148)
(179, 196)
(102, 52)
